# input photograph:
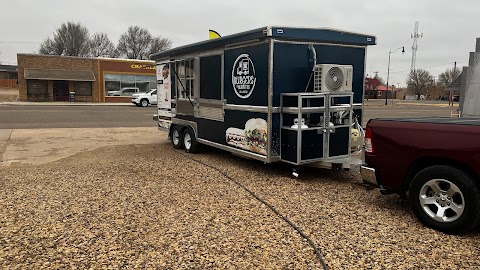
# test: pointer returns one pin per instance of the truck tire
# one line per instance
(446, 199)
(190, 143)
(177, 138)
(144, 102)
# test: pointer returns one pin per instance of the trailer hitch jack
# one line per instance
(295, 171)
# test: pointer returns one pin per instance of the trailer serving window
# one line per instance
(184, 79)
(211, 77)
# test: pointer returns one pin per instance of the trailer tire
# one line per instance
(177, 137)
(446, 199)
(190, 143)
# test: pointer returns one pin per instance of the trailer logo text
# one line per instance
(243, 76)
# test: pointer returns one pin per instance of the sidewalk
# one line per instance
(427, 104)
(398, 102)
(64, 103)
(39, 146)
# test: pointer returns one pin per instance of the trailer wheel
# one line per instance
(190, 143)
(446, 199)
(177, 138)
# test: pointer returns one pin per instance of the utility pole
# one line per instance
(433, 91)
(450, 94)
(388, 73)
(415, 36)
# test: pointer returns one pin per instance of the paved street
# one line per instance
(406, 109)
(34, 116)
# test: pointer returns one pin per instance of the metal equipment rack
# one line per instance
(327, 136)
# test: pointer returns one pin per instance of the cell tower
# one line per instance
(415, 36)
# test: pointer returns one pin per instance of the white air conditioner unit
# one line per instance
(332, 78)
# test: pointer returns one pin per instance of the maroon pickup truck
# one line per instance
(434, 162)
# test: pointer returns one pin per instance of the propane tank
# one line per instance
(302, 124)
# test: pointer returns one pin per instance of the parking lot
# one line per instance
(119, 196)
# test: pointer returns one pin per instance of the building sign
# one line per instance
(243, 76)
(138, 66)
(127, 66)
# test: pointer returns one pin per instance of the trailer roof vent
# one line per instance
(331, 77)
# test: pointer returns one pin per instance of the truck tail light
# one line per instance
(369, 141)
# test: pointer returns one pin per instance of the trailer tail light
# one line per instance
(369, 141)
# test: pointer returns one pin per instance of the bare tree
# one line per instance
(159, 44)
(419, 81)
(101, 45)
(50, 47)
(71, 39)
(135, 43)
(447, 77)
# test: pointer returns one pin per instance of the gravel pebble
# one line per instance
(149, 207)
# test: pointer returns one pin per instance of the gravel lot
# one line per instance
(150, 207)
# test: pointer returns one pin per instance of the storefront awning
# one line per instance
(59, 74)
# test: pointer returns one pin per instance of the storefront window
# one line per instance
(115, 82)
(111, 86)
(82, 88)
(127, 84)
(153, 83)
(37, 88)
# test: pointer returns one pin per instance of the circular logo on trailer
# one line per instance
(243, 76)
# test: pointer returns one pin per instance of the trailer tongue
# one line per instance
(275, 94)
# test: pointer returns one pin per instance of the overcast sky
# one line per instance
(449, 27)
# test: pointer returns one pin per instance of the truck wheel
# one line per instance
(144, 103)
(190, 143)
(177, 139)
(446, 199)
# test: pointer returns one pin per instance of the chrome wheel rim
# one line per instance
(442, 200)
(187, 141)
(176, 137)
(144, 103)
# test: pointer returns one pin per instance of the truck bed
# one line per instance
(435, 120)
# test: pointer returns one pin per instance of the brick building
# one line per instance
(52, 77)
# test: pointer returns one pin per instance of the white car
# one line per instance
(144, 99)
(125, 91)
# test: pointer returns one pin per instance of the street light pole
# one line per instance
(388, 75)
(388, 72)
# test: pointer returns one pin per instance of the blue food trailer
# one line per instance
(272, 94)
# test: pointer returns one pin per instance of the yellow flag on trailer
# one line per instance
(213, 34)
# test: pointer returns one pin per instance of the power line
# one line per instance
(404, 71)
